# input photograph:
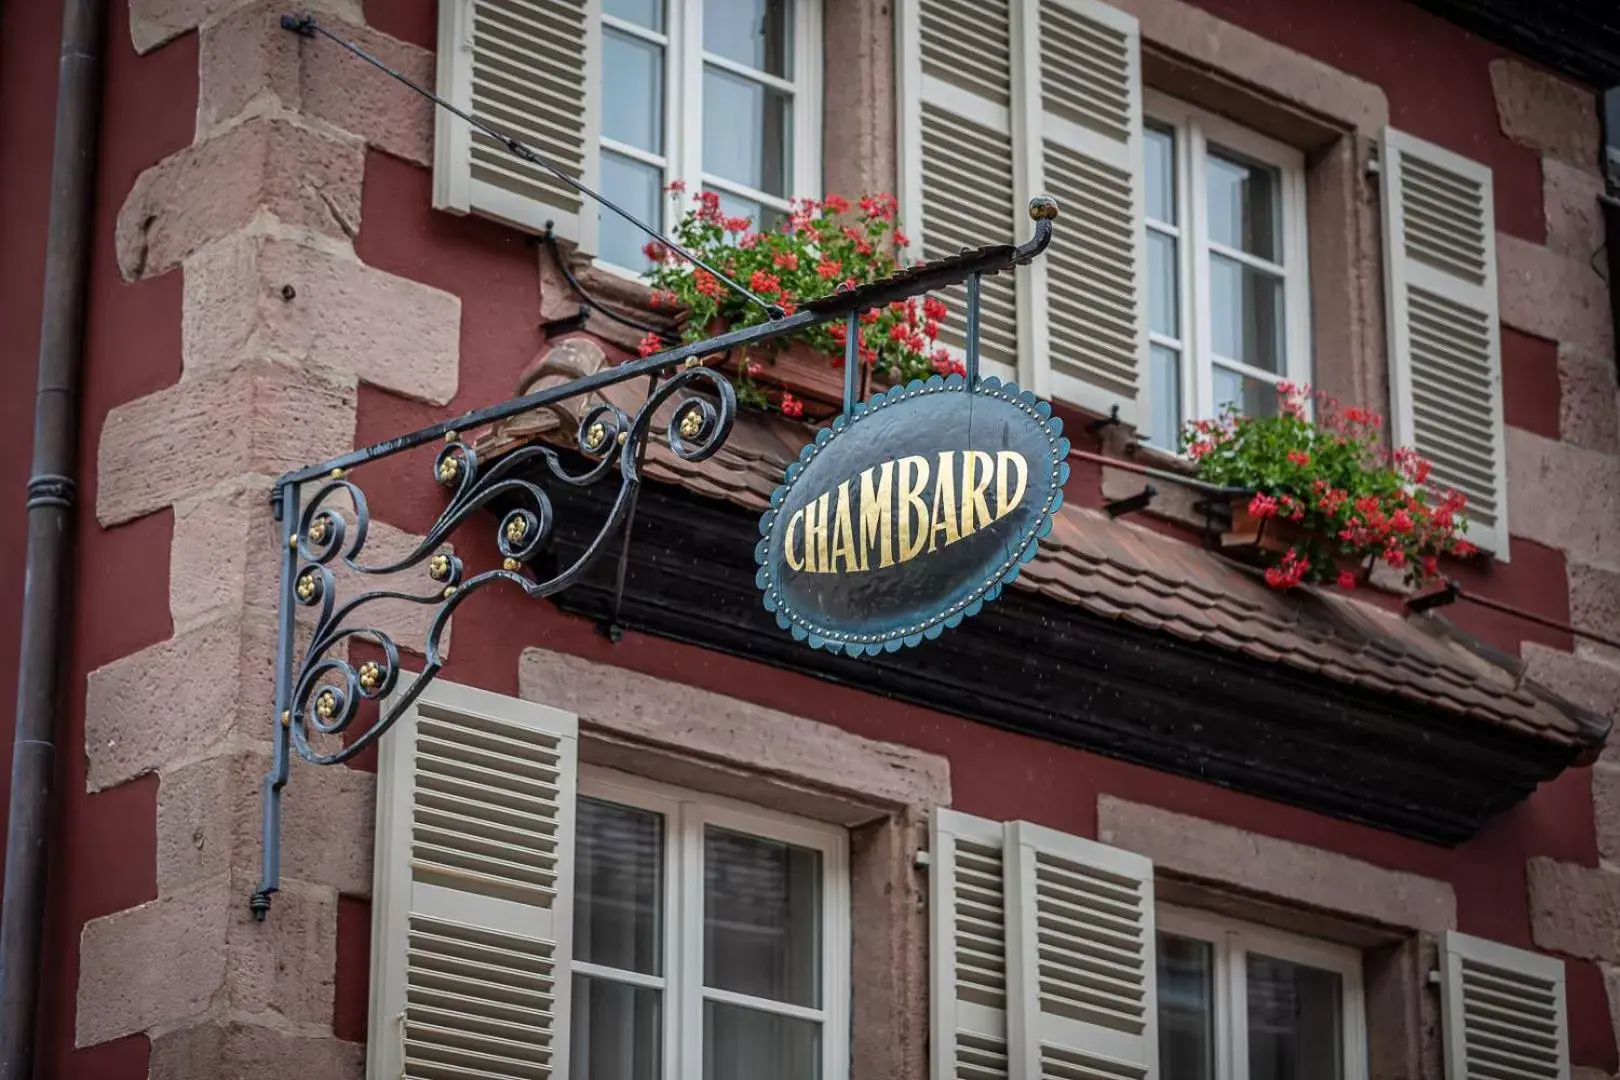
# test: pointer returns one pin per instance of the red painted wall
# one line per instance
(104, 858)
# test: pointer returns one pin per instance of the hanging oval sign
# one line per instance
(910, 513)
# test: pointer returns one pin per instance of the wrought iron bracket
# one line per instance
(325, 522)
(1131, 504)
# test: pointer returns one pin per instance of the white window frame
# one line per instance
(1231, 941)
(684, 61)
(1194, 130)
(685, 814)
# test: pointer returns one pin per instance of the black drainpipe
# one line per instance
(50, 528)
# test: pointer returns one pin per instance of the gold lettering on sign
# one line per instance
(795, 523)
(942, 518)
(895, 511)
(977, 471)
(913, 508)
(843, 541)
(876, 522)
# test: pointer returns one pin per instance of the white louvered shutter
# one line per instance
(1087, 301)
(1502, 1011)
(958, 188)
(967, 954)
(530, 69)
(1080, 959)
(1445, 353)
(472, 905)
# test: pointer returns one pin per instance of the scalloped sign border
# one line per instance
(985, 591)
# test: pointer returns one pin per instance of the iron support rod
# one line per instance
(286, 511)
(50, 528)
(852, 357)
(1160, 474)
(973, 330)
(1520, 613)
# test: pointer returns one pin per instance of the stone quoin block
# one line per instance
(1589, 405)
(322, 307)
(176, 701)
(1574, 216)
(262, 418)
(153, 22)
(1594, 599)
(242, 1050)
(1574, 910)
(1546, 113)
(1292, 872)
(1589, 681)
(328, 824)
(1554, 296)
(286, 964)
(1544, 477)
(249, 65)
(217, 186)
(210, 813)
(155, 964)
(207, 812)
(224, 555)
(1606, 812)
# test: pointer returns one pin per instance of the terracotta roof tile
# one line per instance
(1116, 570)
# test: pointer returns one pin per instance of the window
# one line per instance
(720, 94)
(711, 939)
(1228, 300)
(1241, 1002)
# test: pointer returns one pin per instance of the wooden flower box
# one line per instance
(1251, 539)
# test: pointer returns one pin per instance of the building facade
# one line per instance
(1143, 817)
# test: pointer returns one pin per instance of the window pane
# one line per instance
(1246, 314)
(758, 33)
(648, 13)
(1160, 147)
(1166, 375)
(746, 1044)
(764, 218)
(1244, 207)
(1186, 1006)
(1295, 1020)
(761, 917)
(636, 187)
(617, 1031)
(1163, 296)
(1253, 397)
(747, 132)
(633, 92)
(618, 887)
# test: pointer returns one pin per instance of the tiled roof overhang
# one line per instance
(1444, 720)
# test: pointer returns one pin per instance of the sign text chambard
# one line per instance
(910, 513)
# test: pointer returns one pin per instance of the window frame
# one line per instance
(1193, 131)
(1231, 941)
(686, 813)
(685, 59)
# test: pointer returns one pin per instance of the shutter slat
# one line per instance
(1444, 330)
(1503, 1012)
(532, 71)
(471, 926)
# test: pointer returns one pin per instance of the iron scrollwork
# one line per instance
(328, 688)
(323, 689)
